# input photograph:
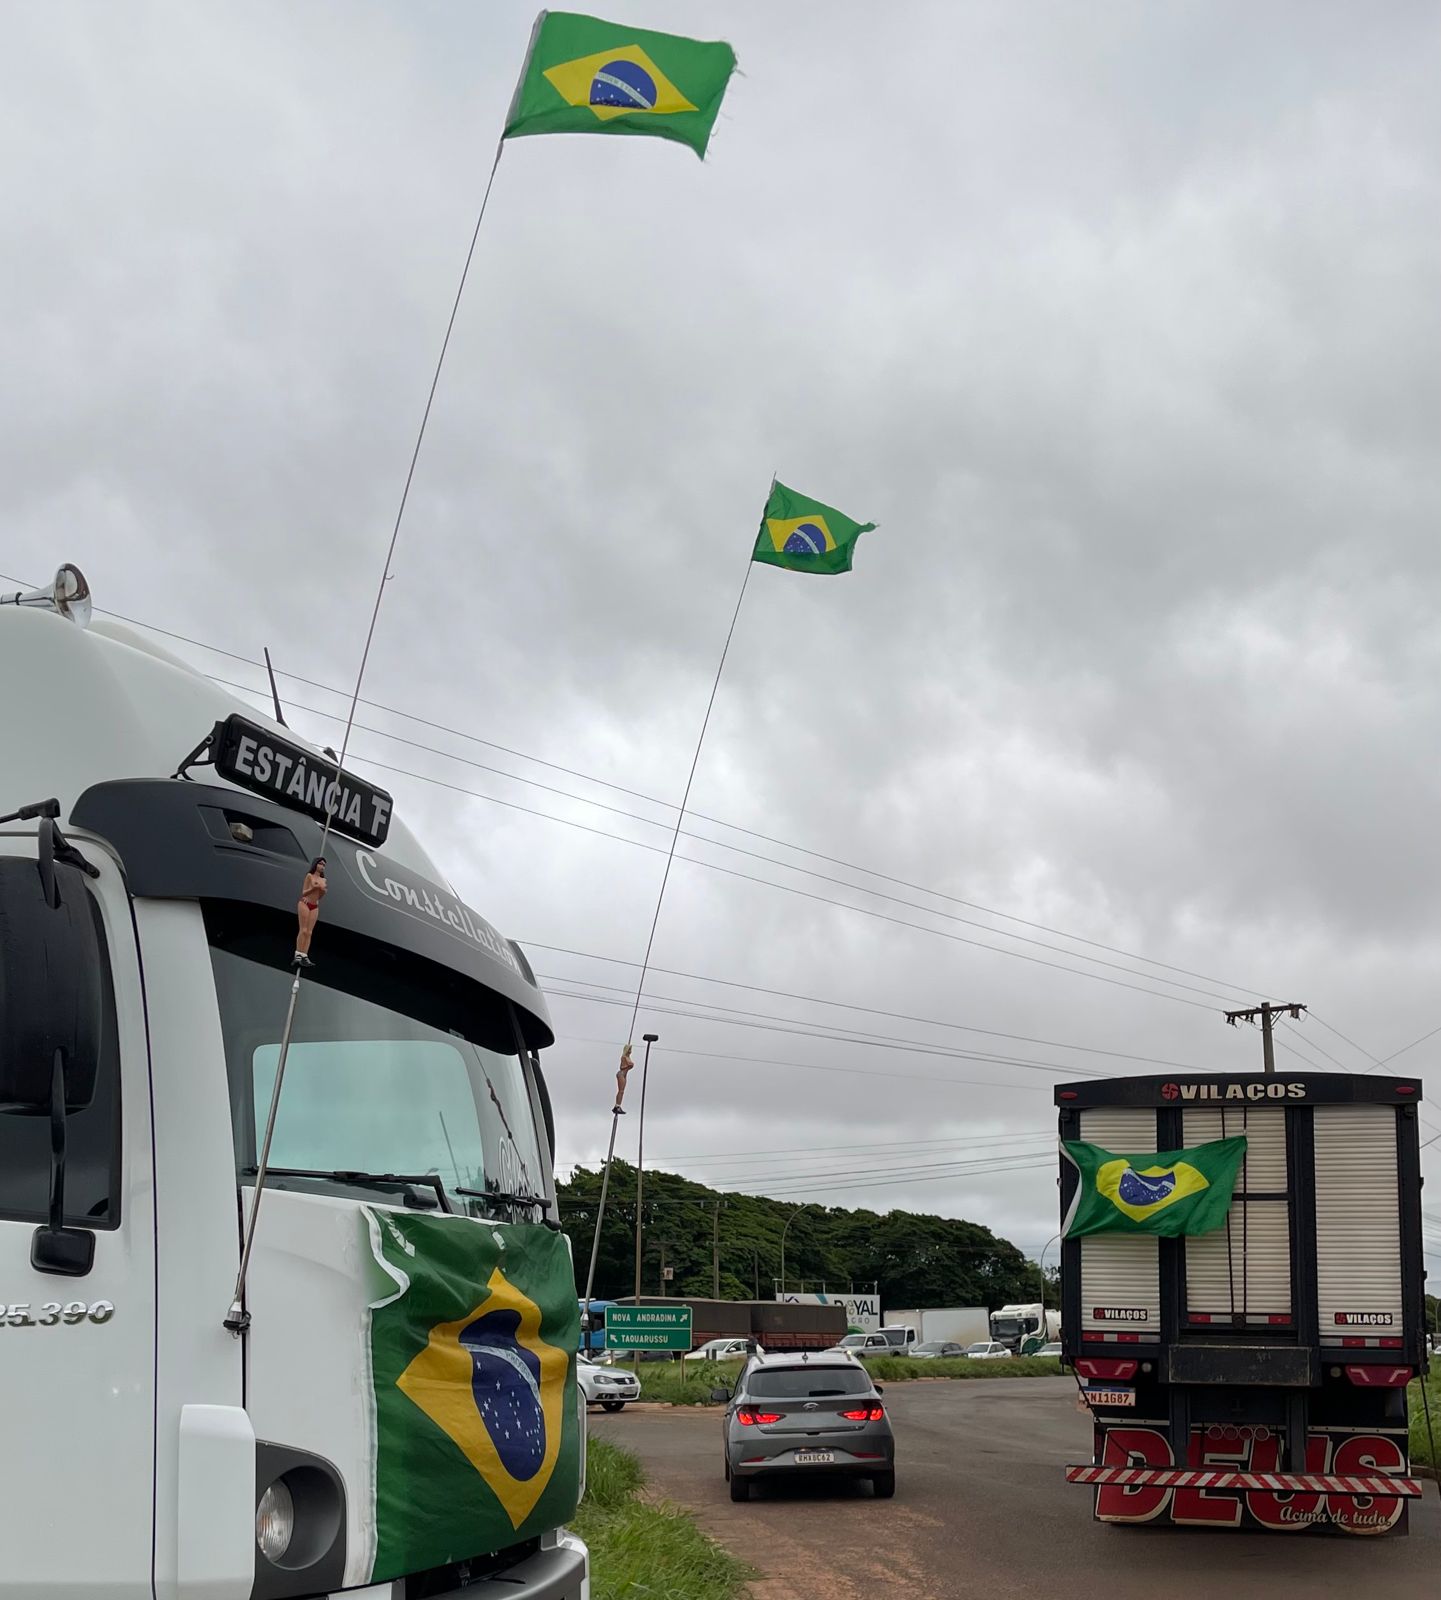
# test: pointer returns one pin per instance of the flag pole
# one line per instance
(616, 1111)
(237, 1319)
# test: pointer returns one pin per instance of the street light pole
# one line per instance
(1042, 1265)
(650, 1039)
(784, 1231)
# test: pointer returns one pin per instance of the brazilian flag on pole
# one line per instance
(583, 75)
(804, 535)
(1172, 1193)
(472, 1363)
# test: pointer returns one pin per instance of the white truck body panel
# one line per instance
(956, 1324)
(1358, 1253)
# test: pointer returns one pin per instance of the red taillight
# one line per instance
(1067, 1094)
(867, 1414)
(1379, 1377)
(1405, 1088)
(748, 1419)
(1106, 1370)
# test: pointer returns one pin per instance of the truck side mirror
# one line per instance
(51, 1011)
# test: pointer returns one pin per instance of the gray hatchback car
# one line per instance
(794, 1414)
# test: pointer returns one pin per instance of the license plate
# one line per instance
(1102, 1396)
(814, 1458)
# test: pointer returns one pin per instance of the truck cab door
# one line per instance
(77, 1340)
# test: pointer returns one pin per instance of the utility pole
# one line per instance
(715, 1252)
(1265, 1011)
(663, 1290)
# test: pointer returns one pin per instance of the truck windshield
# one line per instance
(372, 1085)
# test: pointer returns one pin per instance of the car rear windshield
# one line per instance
(806, 1383)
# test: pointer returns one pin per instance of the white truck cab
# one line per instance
(390, 1407)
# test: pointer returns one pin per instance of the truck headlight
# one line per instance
(275, 1521)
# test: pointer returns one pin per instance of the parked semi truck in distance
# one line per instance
(391, 1406)
(1254, 1376)
(1023, 1329)
(776, 1325)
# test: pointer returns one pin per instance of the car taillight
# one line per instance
(748, 1419)
(868, 1414)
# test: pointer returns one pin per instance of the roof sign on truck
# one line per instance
(263, 762)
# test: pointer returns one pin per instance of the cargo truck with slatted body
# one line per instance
(1256, 1375)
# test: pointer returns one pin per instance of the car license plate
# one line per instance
(1108, 1395)
(814, 1458)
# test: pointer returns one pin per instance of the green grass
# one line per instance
(642, 1549)
(1421, 1451)
(661, 1380)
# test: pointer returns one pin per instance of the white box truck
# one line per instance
(956, 1324)
(338, 1425)
(1254, 1376)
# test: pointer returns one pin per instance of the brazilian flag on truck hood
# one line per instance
(1173, 1192)
(472, 1351)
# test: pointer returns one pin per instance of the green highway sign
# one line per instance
(647, 1327)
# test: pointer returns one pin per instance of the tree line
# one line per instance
(914, 1259)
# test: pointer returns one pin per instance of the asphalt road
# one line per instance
(982, 1509)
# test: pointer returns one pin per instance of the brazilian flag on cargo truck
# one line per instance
(1172, 1193)
(472, 1348)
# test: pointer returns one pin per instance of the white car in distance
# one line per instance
(724, 1350)
(606, 1387)
(987, 1350)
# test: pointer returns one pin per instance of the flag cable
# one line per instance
(237, 1319)
(616, 1111)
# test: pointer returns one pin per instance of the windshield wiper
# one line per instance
(501, 1197)
(376, 1180)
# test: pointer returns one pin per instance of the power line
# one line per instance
(954, 1168)
(720, 822)
(755, 855)
(1386, 1060)
(848, 1005)
(900, 1180)
(795, 1170)
(778, 1025)
(809, 1066)
(667, 804)
(805, 894)
(710, 1158)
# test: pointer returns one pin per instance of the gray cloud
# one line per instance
(1123, 326)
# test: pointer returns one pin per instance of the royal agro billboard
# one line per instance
(863, 1311)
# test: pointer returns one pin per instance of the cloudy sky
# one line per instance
(1121, 321)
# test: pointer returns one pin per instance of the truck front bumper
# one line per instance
(559, 1572)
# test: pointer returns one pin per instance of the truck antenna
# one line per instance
(274, 692)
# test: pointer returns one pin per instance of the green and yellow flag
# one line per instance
(472, 1365)
(583, 75)
(1171, 1193)
(804, 535)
